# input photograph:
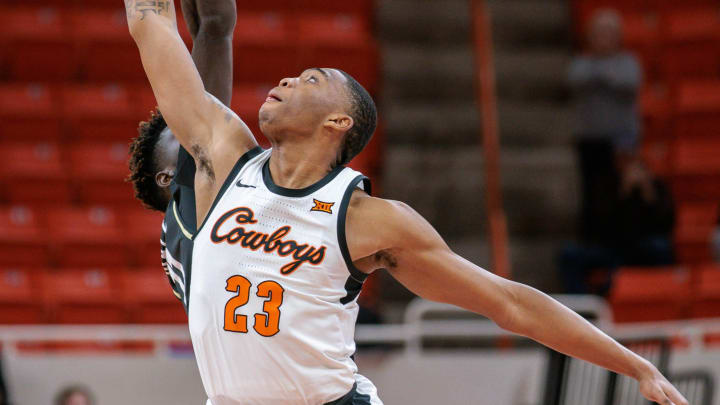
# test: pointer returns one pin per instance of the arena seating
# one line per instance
(73, 240)
(678, 43)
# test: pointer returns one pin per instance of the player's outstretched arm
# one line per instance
(211, 24)
(211, 132)
(391, 235)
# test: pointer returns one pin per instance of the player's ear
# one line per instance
(339, 122)
(164, 177)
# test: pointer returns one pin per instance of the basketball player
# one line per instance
(161, 170)
(289, 234)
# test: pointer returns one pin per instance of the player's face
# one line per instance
(166, 152)
(301, 104)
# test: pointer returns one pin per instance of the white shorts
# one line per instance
(367, 393)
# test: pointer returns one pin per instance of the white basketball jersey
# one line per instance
(273, 301)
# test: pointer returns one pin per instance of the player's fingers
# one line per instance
(674, 395)
(658, 396)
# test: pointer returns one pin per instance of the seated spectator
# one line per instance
(605, 83)
(631, 226)
(74, 395)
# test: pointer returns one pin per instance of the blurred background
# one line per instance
(573, 145)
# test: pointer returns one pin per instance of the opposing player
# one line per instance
(162, 172)
(288, 235)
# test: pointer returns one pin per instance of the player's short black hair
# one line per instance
(143, 166)
(364, 114)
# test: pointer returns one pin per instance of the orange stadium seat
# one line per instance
(98, 171)
(100, 112)
(151, 298)
(23, 239)
(33, 172)
(87, 237)
(21, 296)
(649, 294)
(696, 168)
(706, 299)
(85, 296)
(143, 229)
(29, 111)
(37, 43)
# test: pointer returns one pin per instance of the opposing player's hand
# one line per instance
(655, 387)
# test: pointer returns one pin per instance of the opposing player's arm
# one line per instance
(211, 132)
(211, 24)
(389, 234)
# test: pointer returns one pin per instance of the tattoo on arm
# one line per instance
(158, 7)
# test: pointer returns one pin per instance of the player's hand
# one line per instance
(655, 387)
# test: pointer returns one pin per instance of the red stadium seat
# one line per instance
(694, 225)
(21, 296)
(706, 299)
(87, 237)
(151, 298)
(23, 240)
(697, 108)
(339, 41)
(650, 294)
(246, 103)
(143, 229)
(98, 171)
(331, 29)
(37, 44)
(697, 156)
(86, 296)
(29, 112)
(100, 112)
(33, 172)
(106, 49)
(691, 43)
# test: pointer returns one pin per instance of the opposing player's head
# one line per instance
(325, 104)
(153, 158)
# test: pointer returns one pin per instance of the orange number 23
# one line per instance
(267, 323)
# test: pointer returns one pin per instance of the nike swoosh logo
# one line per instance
(240, 184)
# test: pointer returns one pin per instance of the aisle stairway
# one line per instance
(433, 158)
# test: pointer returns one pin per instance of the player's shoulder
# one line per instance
(382, 217)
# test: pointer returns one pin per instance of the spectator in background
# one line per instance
(633, 227)
(74, 395)
(626, 215)
(605, 82)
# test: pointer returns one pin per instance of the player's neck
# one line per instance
(299, 164)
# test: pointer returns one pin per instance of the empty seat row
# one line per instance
(71, 236)
(47, 44)
(93, 295)
(94, 112)
(656, 294)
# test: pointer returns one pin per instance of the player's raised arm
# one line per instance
(402, 241)
(211, 132)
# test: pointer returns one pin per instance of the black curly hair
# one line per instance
(142, 163)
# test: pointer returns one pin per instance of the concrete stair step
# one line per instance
(529, 23)
(537, 73)
(424, 22)
(427, 73)
(533, 124)
(439, 123)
